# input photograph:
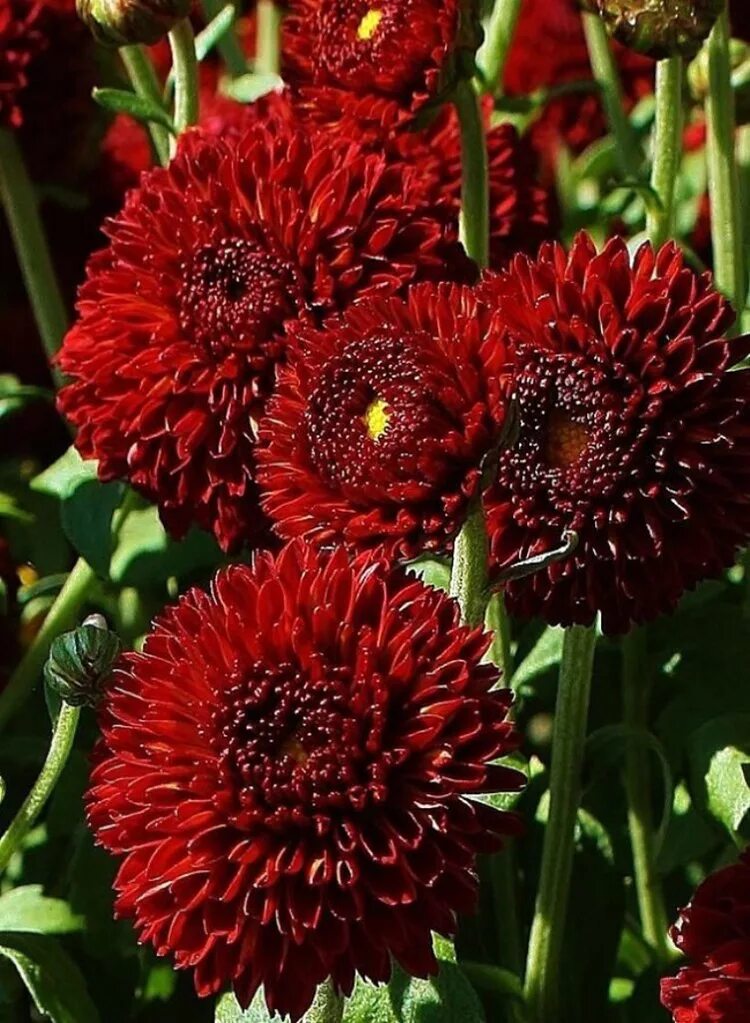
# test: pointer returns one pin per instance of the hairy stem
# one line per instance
(145, 84)
(543, 980)
(57, 756)
(667, 147)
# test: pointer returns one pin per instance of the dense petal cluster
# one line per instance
(393, 53)
(286, 771)
(183, 318)
(20, 41)
(714, 933)
(379, 425)
(632, 431)
(549, 50)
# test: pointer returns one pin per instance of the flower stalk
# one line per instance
(229, 45)
(723, 178)
(542, 986)
(268, 54)
(185, 64)
(667, 148)
(475, 199)
(57, 756)
(145, 84)
(22, 211)
(494, 53)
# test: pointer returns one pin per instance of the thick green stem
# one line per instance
(667, 147)
(62, 616)
(723, 179)
(185, 65)
(636, 691)
(229, 45)
(22, 210)
(475, 199)
(268, 53)
(469, 574)
(743, 169)
(543, 980)
(328, 1007)
(494, 53)
(57, 756)
(605, 74)
(145, 83)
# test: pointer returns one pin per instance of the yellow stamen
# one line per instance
(376, 418)
(368, 26)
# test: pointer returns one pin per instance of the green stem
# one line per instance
(543, 980)
(475, 200)
(667, 147)
(185, 65)
(22, 210)
(469, 573)
(605, 73)
(498, 624)
(499, 36)
(328, 1007)
(743, 170)
(723, 179)
(636, 691)
(146, 84)
(268, 52)
(229, 45)
(57, 756)
(61, 617)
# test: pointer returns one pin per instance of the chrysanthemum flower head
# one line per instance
(396, 53)
(287, 772)
(20, 41)
(632, 431)
(379, 425)
(183, 318)
(714, 933)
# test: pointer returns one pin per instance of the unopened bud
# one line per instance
(659, 28)
(126, 22)
(80, 662)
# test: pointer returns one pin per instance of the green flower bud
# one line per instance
(659, 28)
(80, 662)
(125, 22)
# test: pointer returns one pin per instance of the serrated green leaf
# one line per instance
(121, 101)
(251, 87)
(432, 571)
(546, 653)
(720, 751)
(28, 909)
(228, 1011)
(53, 980)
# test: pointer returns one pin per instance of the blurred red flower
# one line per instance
(286, 772)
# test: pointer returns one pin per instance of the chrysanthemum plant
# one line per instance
(406, 507)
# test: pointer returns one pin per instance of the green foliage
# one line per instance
(51, 977)
(120, 101)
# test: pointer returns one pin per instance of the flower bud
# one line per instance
(125, 22)
(658, 28)
(80, 662)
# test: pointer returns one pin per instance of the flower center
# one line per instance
(293, 746)
(566, 440)
(236, 296)
(368, 26)
(376, 418)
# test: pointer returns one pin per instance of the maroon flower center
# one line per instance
(236, 296)
(373, 45)
(292, 746)
(578, 431)
(376, 414)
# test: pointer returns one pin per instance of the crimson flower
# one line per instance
(20, 41)
(380, 422)
(549, 50)
(714, 932)
(183, 318)
(286, 773)
(632, 431)
(394, 54)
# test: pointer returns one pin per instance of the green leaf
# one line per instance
(433, 571)
(62, 476)
(87, 521)
(14, 395)
(9, 509)
(546, 653)
(121, 101)
(146, 555)
(228, 1011)
(250, 87)
(51, 977)
(719, 753)
(29, 909)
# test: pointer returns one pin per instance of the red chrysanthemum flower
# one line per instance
(20, 41)
(286, 771)
(631, 432)
(183, 318)
(549, 49)
(379, 425)
(394, 54)
(714, 932)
